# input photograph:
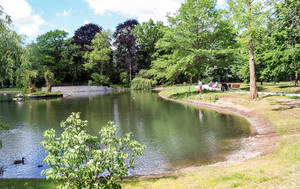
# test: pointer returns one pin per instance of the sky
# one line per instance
(32, 18)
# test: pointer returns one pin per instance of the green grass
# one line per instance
(10, 90)
(287, 87)
(26, 184)
(42, 93)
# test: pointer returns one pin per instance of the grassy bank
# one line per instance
(287, 87)
(277, 170)
(9, 90)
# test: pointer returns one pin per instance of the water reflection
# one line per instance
(176, 135)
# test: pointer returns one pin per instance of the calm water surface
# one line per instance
(176, 135)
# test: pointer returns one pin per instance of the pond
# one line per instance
(176, 135)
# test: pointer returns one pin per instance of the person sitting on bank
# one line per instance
(216, 84)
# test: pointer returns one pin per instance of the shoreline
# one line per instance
(264, 138)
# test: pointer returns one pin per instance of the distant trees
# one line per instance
(248, 40)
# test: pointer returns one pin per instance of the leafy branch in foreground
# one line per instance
(77, 159)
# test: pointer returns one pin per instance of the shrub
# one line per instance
(141, 84)
(124, 78)
(100, 79)
(77, 159)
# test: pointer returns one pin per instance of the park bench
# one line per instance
(235, 86)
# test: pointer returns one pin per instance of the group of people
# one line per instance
(224, 85)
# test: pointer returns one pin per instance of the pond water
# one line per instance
(176, 135)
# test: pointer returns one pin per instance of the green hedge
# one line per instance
(141, 84)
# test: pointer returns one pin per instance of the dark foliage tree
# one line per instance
(82, 38)
(85, 34)
(127, 48)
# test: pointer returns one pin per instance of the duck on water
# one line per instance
(19, 161)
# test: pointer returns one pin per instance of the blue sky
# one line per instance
(35, 17)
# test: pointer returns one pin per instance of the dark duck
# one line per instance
(19, 161)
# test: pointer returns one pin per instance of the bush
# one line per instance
(77, 159)
(124, 78)
(100, 79)
(141, 84)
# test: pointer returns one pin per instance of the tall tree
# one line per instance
(82, 38)
(198, 36)
(248, 15)
(85, 34)
(127, 47)
(287, 35)
(53, 53)
(147, 34)
(11, 50)
(99, 59)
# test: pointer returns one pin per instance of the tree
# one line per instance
(53, 53)
(199, 37)
(127, 47)
(99, 58)
(85, 34)
(249, 17)
(5, 19)
(49, 77)
(77, 159)
(147, 34)
(81, 40)
(10, 49)
(287, 36)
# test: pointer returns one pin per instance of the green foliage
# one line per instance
(98, 79)
(147, 34)
(77, 159)
(99, 58)
(141, 84)
(49, 77)
(199, 38)
(27, 81)
(124, 78)
(42, 93)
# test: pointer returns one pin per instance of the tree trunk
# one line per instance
(191, 79)
(130, 69)
(253, 89)
(296, 79)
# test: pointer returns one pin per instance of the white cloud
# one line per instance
(25, 21)
(142, 9)
(86, 22)
(64, 13)
(67, 12)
